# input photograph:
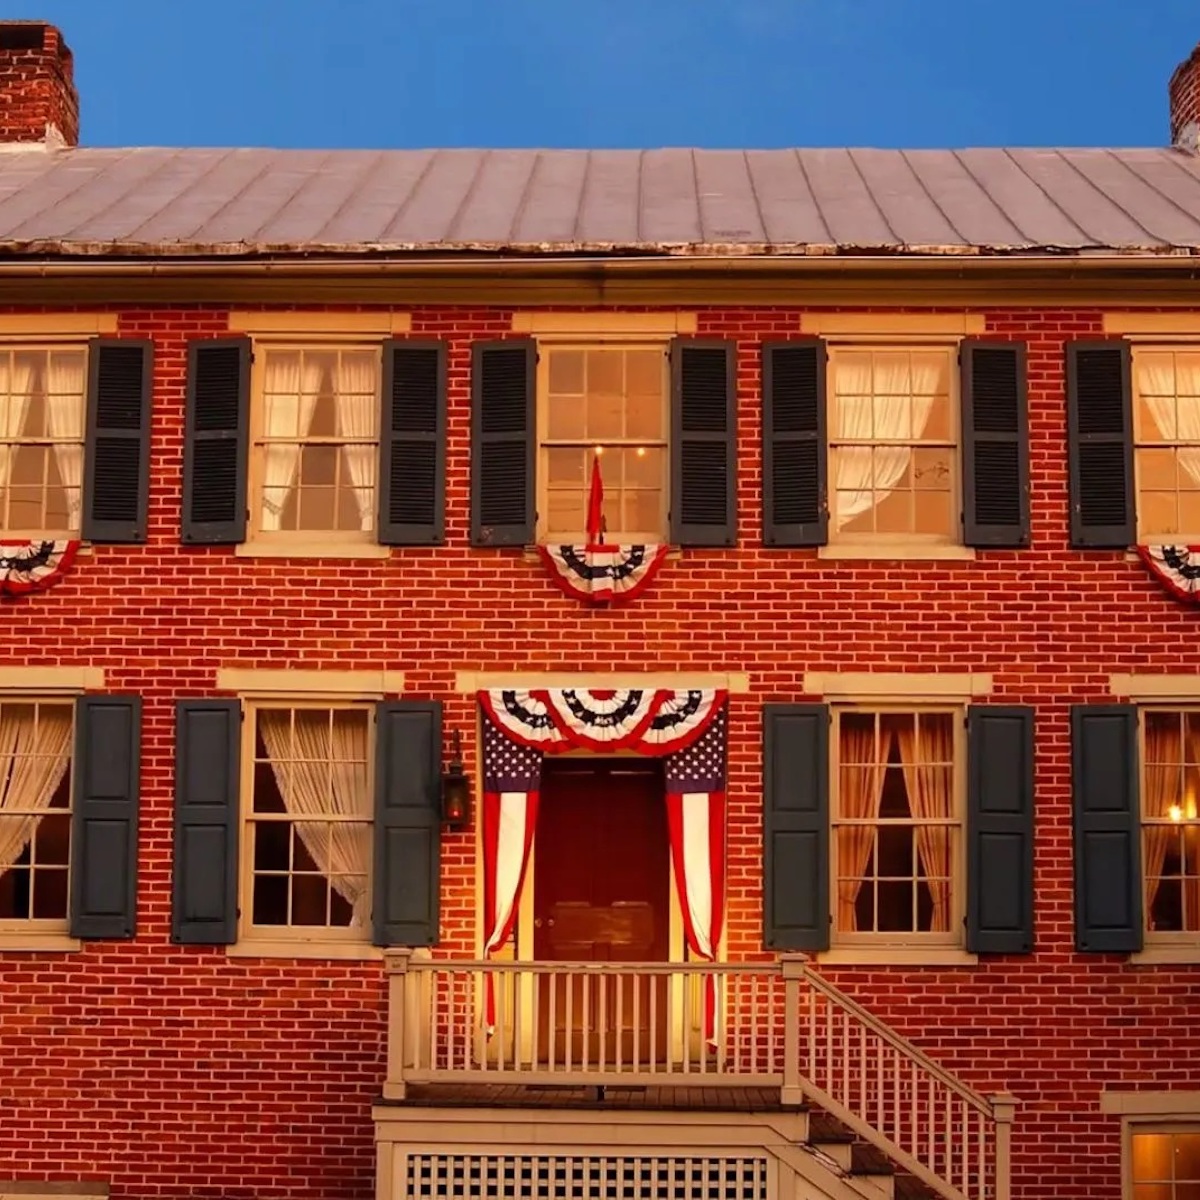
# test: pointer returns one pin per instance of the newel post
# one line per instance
(792, 967)
(396, 964)
(1004, 1107)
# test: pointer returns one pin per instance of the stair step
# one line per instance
(860, 1159)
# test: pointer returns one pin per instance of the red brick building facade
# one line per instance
(138, 1058)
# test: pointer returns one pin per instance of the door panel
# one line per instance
(602, 894)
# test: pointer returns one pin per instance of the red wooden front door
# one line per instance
(602, 894)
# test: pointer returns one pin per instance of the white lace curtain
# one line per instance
(64, 411)
(1161, 379)
(357, 406)
(873, 404)
(291, 386)
(322, 771)
(16, 380)
(35, 747)
(925, 752)
(1164, 750)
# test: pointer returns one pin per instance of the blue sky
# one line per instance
(621, 73)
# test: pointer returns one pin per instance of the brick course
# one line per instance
(180, 1072)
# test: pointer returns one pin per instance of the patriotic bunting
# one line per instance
(603, 574)
(686, 727)
(1177, 568)
(34, 566)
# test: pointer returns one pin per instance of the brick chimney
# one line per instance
(38, 100)
(1184, 92)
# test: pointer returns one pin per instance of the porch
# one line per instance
(750, 1037)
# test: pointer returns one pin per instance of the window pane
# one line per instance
(605, 372)
(567, 467)
(932, 513)
(644, 418)
(938, 423)
(605, 416)
(893, 512)
(1157, 513)
(1151, 1157)
(1187, 1157)
(566, 372)
(270, 903)
(1156, 469)
(642, 512)
(568, 512)
(566, 419)
(643, 467)
(644, 372)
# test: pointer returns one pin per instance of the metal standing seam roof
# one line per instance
(163, 202)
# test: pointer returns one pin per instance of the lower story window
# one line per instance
(1170, 824)
(309, 821)
(896, 826)
(1165, 1163)
(35, 812)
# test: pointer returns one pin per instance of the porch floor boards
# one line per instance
(514, 1095)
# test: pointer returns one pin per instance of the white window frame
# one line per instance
(1149, 1112)
(885, 544)
(1169, 942)
(1153, 347)
(32, 933)
(304, 542)
(916, 944)
(42, 345)
(289, 941)
(585, 342)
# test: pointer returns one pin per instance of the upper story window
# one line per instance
(610, 400)
(897, 826)
(35, 813)
(893, 442)
(307, 857)
(1170, 824)
(41, 440)
(1166, 389)
(315, 437)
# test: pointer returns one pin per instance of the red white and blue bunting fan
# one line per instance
(599, 572)
(34, 566)
(1177, 568)
(646, 721)
(687, 728)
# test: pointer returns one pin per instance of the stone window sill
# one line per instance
(1181, 956)
(38, 943)
(894, 956)
(900, 552)
(364, 550)
(330, 951)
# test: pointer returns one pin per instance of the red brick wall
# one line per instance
(36, 83)
(180, 1072)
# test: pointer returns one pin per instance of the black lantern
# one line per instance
(456, 790)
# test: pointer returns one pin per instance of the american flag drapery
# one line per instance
(696, 819)
(687, 728)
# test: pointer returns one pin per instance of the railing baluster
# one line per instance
(602, 1063)
(653, 1063)
(637, 1021)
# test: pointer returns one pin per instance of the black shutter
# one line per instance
(412, 445)
(407, 822)
(703, 443)
(104, 822)
(1000, 830)
(116, 472)
(995, 423)
(503, 429)
(796, 826)
(795, 452)
(204, 881)
(1100, 440)
(216, 441)
(1108, 858)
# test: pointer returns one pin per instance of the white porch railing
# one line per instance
(778, 1025)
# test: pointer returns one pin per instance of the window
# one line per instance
(893, 445)
(1170, 826)
(316, 443)
(1166, 388)
(896, 826)
(609, 401)
(1164, 1162)
(35, 813)
(308, 835)
(41, 440)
